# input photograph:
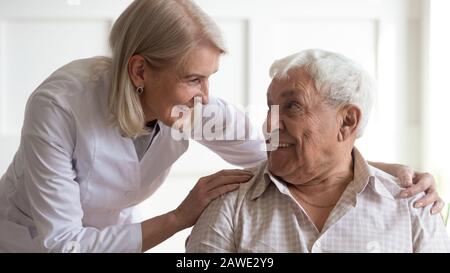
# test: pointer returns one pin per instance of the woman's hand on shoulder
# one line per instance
(207, 189)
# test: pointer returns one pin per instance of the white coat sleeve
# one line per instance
(48, 139)
(234, 137)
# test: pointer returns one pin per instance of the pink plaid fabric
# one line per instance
(263, 216)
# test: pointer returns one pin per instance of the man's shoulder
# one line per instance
(391, 182)
(258, 174)
(245, 190)
(392, 185)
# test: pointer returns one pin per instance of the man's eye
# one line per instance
(294, 106)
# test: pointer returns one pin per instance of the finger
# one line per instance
(226, 173)
(415, 189)
(209, 182)
(430, 197)
(233, 172)
(221, 190)
(224, 180)
(424, 178)
(438, 206)
(406, 178)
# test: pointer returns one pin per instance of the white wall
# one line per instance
(436, 96)
(36, 37)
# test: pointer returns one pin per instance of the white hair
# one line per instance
(338, 78)
(164, 32)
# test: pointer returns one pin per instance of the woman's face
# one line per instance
(170, 87)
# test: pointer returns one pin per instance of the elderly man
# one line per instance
(316, 192)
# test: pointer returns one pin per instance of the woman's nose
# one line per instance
(205, 93)
(205, 99)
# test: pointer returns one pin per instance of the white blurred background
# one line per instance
(401, 42)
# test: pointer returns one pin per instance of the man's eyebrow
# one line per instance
(289, 93)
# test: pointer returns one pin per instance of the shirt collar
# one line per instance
(363, 175)
(266, 180)
(262, 183)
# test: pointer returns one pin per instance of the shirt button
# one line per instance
(318, 244)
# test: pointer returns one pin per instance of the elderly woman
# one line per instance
(316, 192)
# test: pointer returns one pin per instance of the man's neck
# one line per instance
(336, 178)
(320, 195)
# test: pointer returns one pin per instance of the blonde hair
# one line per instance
(163, 32)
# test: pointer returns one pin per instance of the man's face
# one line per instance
(308, 129)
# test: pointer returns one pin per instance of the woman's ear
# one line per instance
(136, 69)
(351, 116)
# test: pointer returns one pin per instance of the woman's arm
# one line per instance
(415, 183)
(160, 228)
(234, 139)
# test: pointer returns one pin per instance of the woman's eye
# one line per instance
(195, 81)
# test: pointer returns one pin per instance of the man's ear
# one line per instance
(351, 117)
(136, 69)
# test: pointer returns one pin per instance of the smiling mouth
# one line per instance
(285, 145)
